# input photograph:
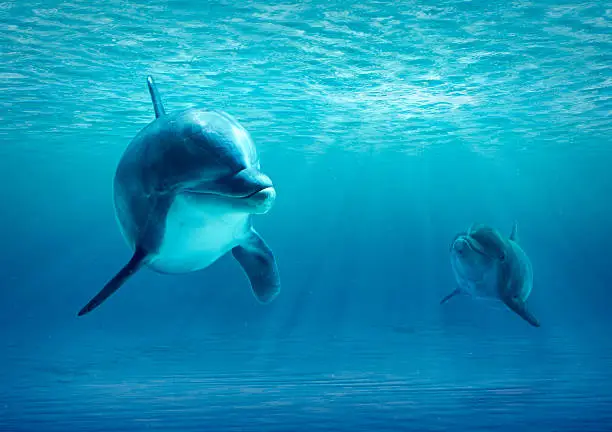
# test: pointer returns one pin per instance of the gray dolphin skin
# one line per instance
(185, 191)
(487, 265)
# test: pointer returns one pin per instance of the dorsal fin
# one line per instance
(514, 233)
(157, 102)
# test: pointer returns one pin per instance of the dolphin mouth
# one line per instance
(261, 201)
(244, 184)
(256, 193)
(475, 246)
(248, 191)
(245, 196)
(470, 243)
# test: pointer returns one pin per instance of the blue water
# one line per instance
(387, 127)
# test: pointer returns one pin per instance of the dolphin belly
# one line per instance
(478, 283)
(199, 229)
(482, 289)
(487, 289)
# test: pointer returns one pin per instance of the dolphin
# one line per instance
(185, 190)
(487, 265)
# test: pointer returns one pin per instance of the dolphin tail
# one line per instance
(520, 308)
(259, 264)
(158, 106)
(113, 285)
(450, 296)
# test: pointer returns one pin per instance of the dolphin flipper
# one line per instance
(113, 285)
(158, 106)
(259, 264)
(450, 296)
(520, 308)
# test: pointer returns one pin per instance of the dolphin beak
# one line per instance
(261, 202)
(459, 246)
(250, 189)
(244, 184)
(457, 237)
(262, 193)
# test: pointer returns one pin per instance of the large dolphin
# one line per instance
(184, 193)
(487, 265)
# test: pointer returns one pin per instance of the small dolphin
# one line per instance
(184, 193)
(487, 265)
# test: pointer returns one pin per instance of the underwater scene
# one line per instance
(305, 215)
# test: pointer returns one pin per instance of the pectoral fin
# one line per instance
(520, 308)
(259, 264)
(450, 296)
(113, 285)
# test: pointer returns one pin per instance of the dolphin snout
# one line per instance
(248, 190)
(261, 202)
(243, 184)
(460, 246)
(263, 181)
(252, 188)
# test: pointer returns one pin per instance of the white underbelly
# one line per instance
(481, 284)
(484, 289)
(198, 231)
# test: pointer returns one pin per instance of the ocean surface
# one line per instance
(387, 128)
